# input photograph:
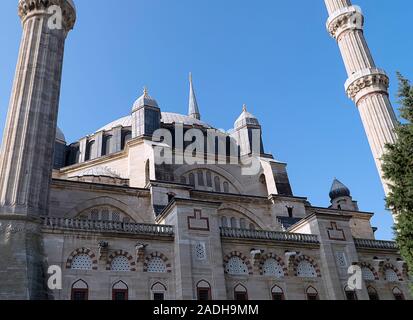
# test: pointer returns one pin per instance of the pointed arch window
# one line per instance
(158, 291)
(351, 295)
(203, 291)
(277, 293)
(240, 293)
(312, 293)
(120, 291)
(80, 291)
(373, 295)
(398, 294)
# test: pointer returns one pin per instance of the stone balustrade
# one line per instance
(268, 235)
(375, 244)
(107, 226)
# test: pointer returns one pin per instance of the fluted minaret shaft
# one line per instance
(28, 140)
(367, 85)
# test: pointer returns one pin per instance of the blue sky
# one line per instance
(275, 56)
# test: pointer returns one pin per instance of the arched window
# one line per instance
(156, 265)
(107, 145)
(192, 180)
(242, 223)
(105, 214)
(217, 182)
(120, 291)
(272, 267)
(126, 136)
(351, 295)
(224, 222)
(240, 293)
(201, 178)
(120, 263)
(234, 223)
(203, 291)
(90, 150)
(367, 274)
(82, 262)
(235, 266)
(312, 293)
(306, 270)
(277, 293)
(391, 275)
(158, 291)
(398, 294)
(226, 187)
(80, 291)
(209, 179)
(372, 293)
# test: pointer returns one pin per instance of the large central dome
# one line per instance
(167, 118)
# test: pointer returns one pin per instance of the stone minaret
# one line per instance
(367, 85)
(28, 142)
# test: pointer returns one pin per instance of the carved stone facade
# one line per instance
(122, 226)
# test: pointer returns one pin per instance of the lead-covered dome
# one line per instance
(60, 137)
(338, 190)
(145, 100)
(246, 118)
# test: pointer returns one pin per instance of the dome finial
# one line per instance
(244, 108)
(338, 189)
(145, 91)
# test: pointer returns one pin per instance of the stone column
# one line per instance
(367, 85)
(28, 142)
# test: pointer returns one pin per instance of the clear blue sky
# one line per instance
(275, 56)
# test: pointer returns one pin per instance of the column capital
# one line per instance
(366, 81)
(27, 8)
(348, 18)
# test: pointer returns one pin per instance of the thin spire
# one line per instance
(193, 104)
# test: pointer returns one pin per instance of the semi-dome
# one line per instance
(145, 100)
(99, 172)
(246, 118)
(338, 190)
(60, 137)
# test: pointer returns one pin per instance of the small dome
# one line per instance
(246, 118)
(338, 190)
(60, 137)
(144, 100)
(99, 172)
